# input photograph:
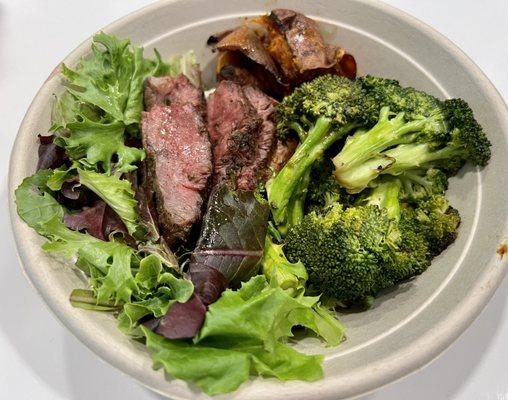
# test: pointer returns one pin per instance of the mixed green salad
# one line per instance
(360, 206)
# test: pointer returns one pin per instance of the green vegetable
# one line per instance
(107, 263)
(86, 299)
(425, 133)
(35, 202)
(354, 252)
(321, 111)
(158, 290)
(116, 193)
(292, 277)
(95, 144)
(103, 103)
(243, 333)
(279, 271)
(112, 79)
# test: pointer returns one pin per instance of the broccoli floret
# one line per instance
(341, 249)
(425, 133)
(438, 221)
(320, 112)
(324, 190)
(338, 99)
(419, 184)
(415, 104)
(354, 252)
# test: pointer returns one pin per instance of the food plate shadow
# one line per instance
(25, 322)
(89, 377)
(443, 380)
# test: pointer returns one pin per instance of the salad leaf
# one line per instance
(103, 103)
(217, 370)
(116, 193)
(278, 270)
(107, 263)
(208, 282)
(243, 332)
(233, 234)
(83, 298)
(112, 78)
(157, 292)
(97, 144)
(185, 64)
(292, 278)
(35, 202)
(99, 220)
(240, 316)
(182, 320)
(50, 155)
(213, 370)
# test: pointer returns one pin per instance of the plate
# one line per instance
(408, 326)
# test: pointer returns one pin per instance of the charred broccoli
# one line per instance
(424, 133)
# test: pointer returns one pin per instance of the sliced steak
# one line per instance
(179, 160)
(242, 131)
(265, 108)
(166, 90)
(234, 126)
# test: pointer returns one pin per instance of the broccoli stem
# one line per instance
(386, 195)
(281, 187)
(386, 133)
(362, 159)
(297, 202)
(411, 156)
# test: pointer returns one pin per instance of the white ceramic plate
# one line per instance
(409, 326)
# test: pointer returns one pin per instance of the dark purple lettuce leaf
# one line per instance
(183, 320)
(99, 221)
(50, 155)
(232, 235)
(75, 196)
(228, 252)
(208, 282)
(90, 219)
(112, 223)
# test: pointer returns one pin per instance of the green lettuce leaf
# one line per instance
(219, 370)
(35, 202)
(116, 193)
(292, 278)
(243, 331)
(107, 263)
(278, 270)
(102, 104)
(96, 144)
(112, 78)
(158, 290)
(86, 299)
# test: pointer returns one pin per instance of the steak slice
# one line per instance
(234, 126)
(167, 90)
(265, 107)
(242, 131)
(179, 160)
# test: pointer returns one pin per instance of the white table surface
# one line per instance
(40, 360)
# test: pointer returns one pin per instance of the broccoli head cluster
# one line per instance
(362, 201)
